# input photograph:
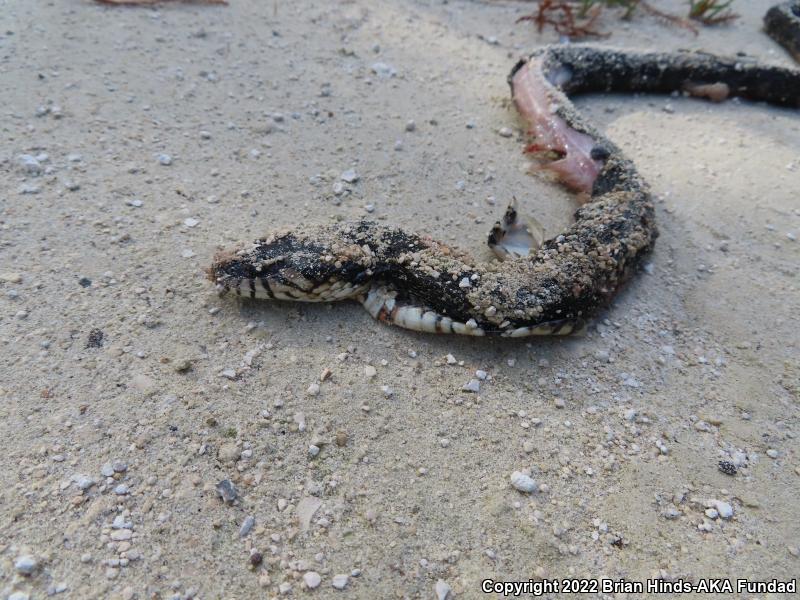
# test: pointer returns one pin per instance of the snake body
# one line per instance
(418, 283)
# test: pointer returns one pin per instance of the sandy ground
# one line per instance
(117, 421)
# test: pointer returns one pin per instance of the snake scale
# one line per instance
(418, 283)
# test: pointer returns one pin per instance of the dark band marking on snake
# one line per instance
(418, 283)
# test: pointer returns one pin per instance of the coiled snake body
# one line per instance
(420, 284)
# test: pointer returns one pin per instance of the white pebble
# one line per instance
(350, 176)
(383, 70)
(442, 590)
(84, 482)
(523, 483)
(340, 581)
(30, 164)
(313, 389)
(312, 579)
(164, 159)
(505, 132)
(724, 509)
(25, 564)
(247, 525)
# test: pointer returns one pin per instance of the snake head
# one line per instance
(290, 266)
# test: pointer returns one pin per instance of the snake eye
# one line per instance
(599, 153)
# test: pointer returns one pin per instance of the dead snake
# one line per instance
(418, 283)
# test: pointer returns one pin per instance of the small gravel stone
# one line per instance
(84, 482)
(107, 470)
(313, 389)
(121, 489)
(191, 222)
(227, 491)
(350, 176)
(11, 277)
(473, 386)
(340, 581)
(727, 467)
(724, 509)
(523, 483)
(443, 590)
(505, 132)
(120, 523)
(30, 164)
(410, 125)
(164, 159)
(29, 188)
(119, 466)
(25, 564)
(772, 453)
(312, 579)
(121, 535)
(383, 70)
(602, 356)
(247, 525)
(19, 596)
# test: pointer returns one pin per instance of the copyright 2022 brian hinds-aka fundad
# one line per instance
(544, 587)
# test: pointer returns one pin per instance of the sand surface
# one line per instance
(129, 390)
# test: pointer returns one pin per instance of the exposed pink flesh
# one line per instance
(577, 169)
(716, 92)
